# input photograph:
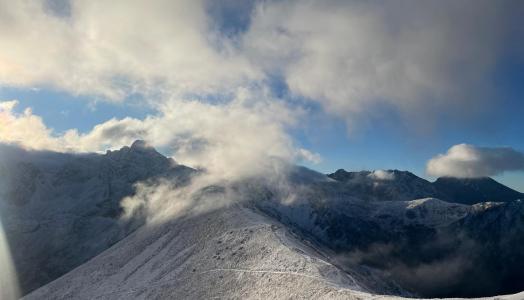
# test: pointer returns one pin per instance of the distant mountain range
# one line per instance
(292, 234)
(398, 185)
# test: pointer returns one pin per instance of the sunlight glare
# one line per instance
(8, 278)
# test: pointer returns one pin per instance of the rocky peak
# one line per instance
(140, 145)
(139, 150)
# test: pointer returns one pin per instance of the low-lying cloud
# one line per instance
(234, 139)
(382, 175)
(470, 161)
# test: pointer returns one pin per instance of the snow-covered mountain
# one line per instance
(60, 210)
(408, 242)
(227, 253)
(385, 185)
(295, 233)
(388, 185)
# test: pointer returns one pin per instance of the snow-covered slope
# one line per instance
(230, 253)
(407, 242)
(385, 185)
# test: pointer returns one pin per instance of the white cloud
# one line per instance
(25, 128)
(116, 48)
(238, 138)
(465, 160)
(309, 156)
(415, 56)
(382, 175)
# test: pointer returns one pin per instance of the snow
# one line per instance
(429, 212)
(227, 253)
(230, 253)
(61, 211)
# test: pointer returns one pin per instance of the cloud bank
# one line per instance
(114, 49)
(234, 139)
(414, 56)
(26, 128)
(469, 161)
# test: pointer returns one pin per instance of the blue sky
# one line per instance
(356, 105)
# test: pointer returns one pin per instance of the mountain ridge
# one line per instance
(450, 189)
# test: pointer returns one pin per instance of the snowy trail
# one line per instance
(265, 272)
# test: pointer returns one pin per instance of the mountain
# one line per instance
(290, 233)
(476, 250)
(231, 253)
(60, 210)
(385, 185)
(475, 190)
(395, 185)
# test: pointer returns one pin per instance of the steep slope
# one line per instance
(495, 236)
(230, 253)
(59, 210)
